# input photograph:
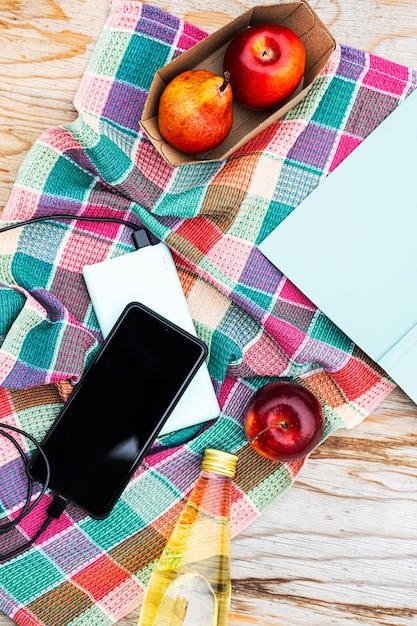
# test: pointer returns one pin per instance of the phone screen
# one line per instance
(117, 409)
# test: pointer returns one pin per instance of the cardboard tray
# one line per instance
(208, 54)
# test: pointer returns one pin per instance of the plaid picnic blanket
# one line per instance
(257, 325)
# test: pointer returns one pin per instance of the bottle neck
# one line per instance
(212, 493)
(215, 478)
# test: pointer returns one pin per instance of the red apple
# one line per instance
(284, 421)
(266, 64)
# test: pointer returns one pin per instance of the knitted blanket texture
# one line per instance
(257, 325)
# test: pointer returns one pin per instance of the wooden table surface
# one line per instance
(341, 546)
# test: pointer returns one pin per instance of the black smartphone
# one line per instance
(117, 409)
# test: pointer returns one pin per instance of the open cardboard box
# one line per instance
(208, 54)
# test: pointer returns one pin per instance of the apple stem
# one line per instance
(225, 82)
(282, 423)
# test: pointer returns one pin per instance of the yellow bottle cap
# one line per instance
(219, 461)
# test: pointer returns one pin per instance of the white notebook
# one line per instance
(149, 276)
(351, 245)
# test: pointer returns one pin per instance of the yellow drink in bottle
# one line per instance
(190, 584)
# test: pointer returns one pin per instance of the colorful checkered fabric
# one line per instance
(257, 325)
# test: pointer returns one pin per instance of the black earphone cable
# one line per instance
(29, 504)
(58, 503)
(63, 216)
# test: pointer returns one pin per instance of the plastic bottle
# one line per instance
(190, 584)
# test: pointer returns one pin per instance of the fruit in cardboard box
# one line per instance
(195, 111)
(284, 421)
(266, 64)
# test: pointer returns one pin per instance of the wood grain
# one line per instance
(341, 546)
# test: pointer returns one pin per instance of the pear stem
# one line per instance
(225, 82)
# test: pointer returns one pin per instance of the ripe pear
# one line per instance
(195, 111)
